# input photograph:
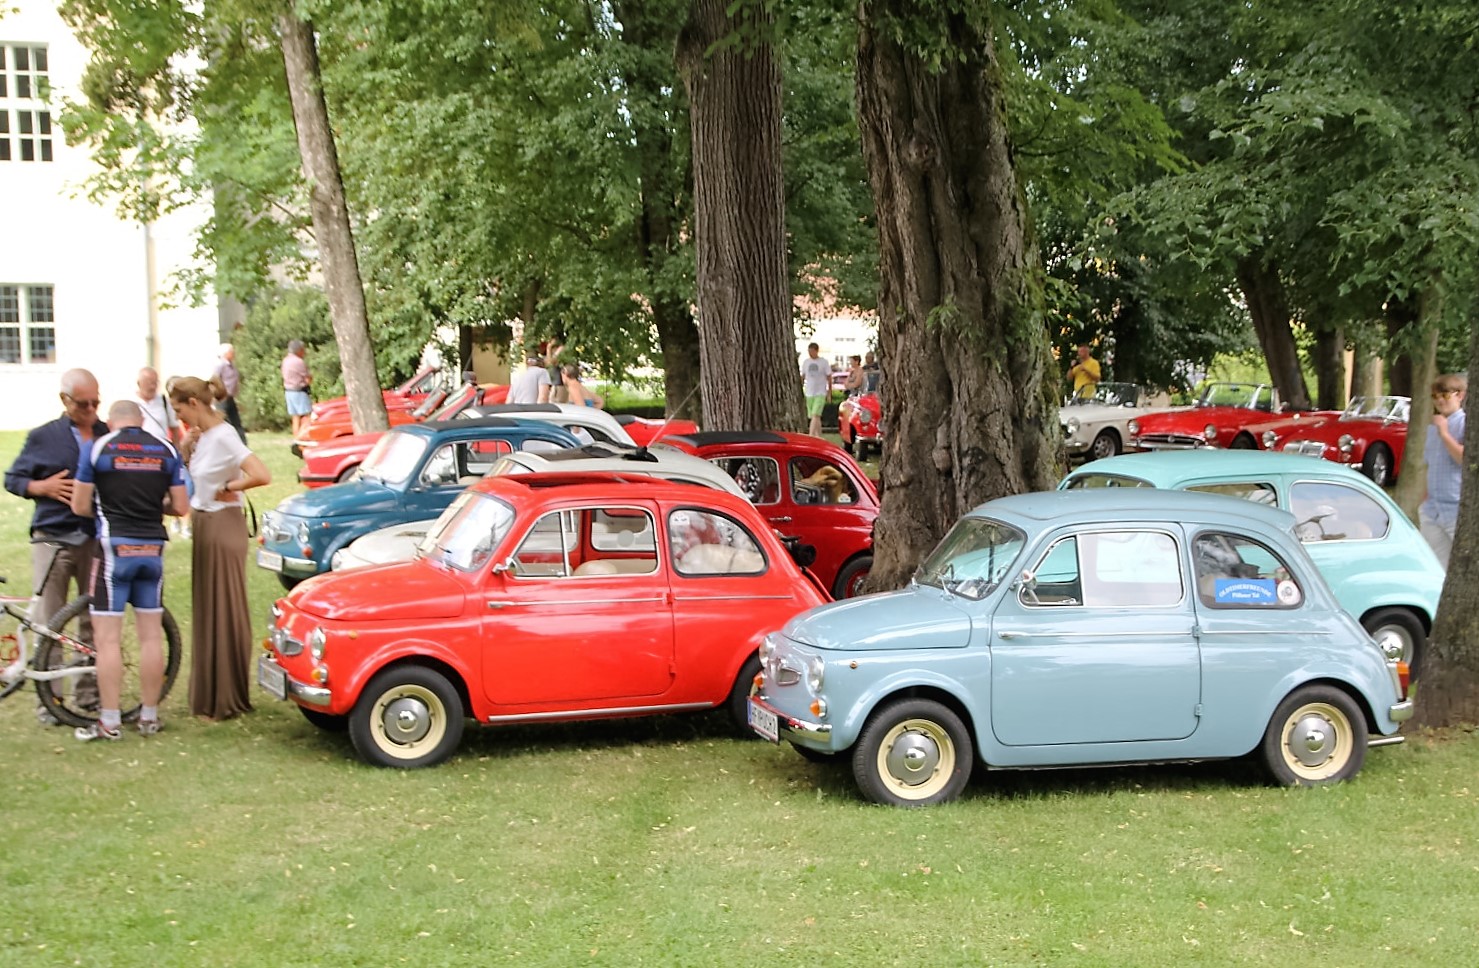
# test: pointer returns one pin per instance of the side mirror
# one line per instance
(500, 567)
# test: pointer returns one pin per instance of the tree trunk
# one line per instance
(331, 227)
(751, 375)
(1329, 364)
(1421, 358)
(1450, 675)
(651, 32)
(1400, 315)
(1368, 379)
(969, 392)
(1269, 307)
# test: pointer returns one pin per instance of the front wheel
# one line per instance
(71, 692)
(288, 582)
(1399, 633)
(347, 474)
(912, 753)
(408, 716)
(1316, 736)
(850, 579)
(738, 702)
(1377, 465)
(1243, 442)
(1106, 444)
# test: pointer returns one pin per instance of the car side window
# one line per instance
(816, 480)
(709, 543)
(1336, 512)
(548, 548)
(1107, 569)
(1055, 580)
(1084, 481)
(621, 543)
(1259, 492)
(758, 477)
(440, 468)
(1233, 571)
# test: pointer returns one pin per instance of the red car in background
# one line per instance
(646, 430)
(860, 424)
(805, 487)
(408, 396)
(336, 423)
(538, 598)
(1369, 436)
(1229, 415)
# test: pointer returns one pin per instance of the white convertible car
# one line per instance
(1094, 427)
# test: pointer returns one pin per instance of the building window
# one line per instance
(25, 130)
(27, 325)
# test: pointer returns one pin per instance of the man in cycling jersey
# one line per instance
(126, 479)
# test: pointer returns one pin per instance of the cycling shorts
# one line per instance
(128, 571)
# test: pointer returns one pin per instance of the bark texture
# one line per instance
(969, 381)
(1369, 377)
(1450, 677)
(751, 374)
(331, 227)
(1328, 360)
(1268, 304)
(655, 106)
(1421, 366)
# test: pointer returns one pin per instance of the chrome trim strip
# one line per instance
(1392, 740)
(730, 598)
(1303, 633)
(303, 692)
(679, 707)
(583, 601)
(1015, 634)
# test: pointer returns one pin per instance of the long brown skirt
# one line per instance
(221, 624)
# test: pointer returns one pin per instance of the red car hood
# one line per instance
(411, 590)
(1196, 418)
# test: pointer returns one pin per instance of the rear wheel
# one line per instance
(912, 753)
(1399, 633)
(850, 579)
(71, 695)
(1316, 736)
(738, 702)
(408, 716)
(1378, 465)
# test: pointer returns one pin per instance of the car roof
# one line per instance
(437, 426)
(1122, 503)
(660, 462)
(606, 485)
(708, 438)
(1171, 468)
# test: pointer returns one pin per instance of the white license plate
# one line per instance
(764, 722)
(270, 560)
(272, 677)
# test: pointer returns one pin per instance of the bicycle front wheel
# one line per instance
(66, 684)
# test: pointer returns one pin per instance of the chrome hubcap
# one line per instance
(1312, 740)
(406, 720)
(913, 758)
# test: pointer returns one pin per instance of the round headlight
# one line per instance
(302, 532)
(815, 667)
(1073, 426)
(865, 415)
(1269, 439)
(1209, 432)
(1345, 443)
(767, 647)
(1133, 427)
(317, 639)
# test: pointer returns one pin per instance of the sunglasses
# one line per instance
(94, 403)
(1440, 394)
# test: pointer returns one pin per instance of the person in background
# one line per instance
(1084, 373)
(160, 422)
(532, 384)
(816, 385)
(221, 627)
(855, 377)
(62, 541)
(1443, 449)
(230, 383)
(872, 372)
(553, 350)
(576, 391)
(124, 481)
(295, 383)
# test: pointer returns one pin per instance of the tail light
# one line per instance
(1404, 677)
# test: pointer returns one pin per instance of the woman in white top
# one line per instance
(221, 626)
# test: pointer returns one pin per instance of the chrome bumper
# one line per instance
(1401, 712)
(297, 689)
(790, 724)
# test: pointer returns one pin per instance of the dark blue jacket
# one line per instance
(49, 448)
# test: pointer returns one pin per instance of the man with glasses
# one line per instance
(1444, 452)
(62, 542)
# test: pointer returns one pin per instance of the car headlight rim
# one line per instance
(317, 642)
(1346, 443)
(816, 670)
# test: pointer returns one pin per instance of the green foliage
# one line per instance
(262, 342)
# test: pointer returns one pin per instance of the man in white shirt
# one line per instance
(159, 417)
(816, 384)
(532, 384)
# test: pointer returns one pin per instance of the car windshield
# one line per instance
(1108, 395)
(1092, 479)
(1376, 408)
(468, 531)
(973, 557)
(455, 404)
(394, 458)
(1234, 395)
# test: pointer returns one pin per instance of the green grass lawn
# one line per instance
(262, 841)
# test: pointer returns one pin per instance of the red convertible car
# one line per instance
(1368, 436)
(860, 424)
(805, 487)
(336, 423)
(540, 597)
(408, 396)
(1227, 415)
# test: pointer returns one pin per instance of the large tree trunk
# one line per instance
(1368, 379)
(1420, 354)
(751, 375)
(1329, 363)
(331, 227)
(1269, 307)
(969, 383)
(1400, 316)
(1450, 676)
(651, 31)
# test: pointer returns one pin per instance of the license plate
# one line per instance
(272, 677)
(270, 560)
(764, 722)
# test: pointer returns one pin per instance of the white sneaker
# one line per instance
(97, 730)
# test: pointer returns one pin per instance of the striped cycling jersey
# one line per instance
(131, 472)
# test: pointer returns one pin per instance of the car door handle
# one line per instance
(499, 604)
(1012, 634)
(782, 519)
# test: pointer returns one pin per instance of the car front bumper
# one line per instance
(270, 674)
(792, 726)
(285, 564)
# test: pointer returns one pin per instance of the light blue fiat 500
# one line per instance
(1374, 558)
(1079, 628)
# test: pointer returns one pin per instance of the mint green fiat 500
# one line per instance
(1086, 627)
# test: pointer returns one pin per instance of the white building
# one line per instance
(78, 285)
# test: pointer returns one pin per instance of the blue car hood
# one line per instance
(916, 618)
(354, 497)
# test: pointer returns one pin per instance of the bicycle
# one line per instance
(58, 660)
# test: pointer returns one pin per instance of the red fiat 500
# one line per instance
(540, 597)
(806, 487)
